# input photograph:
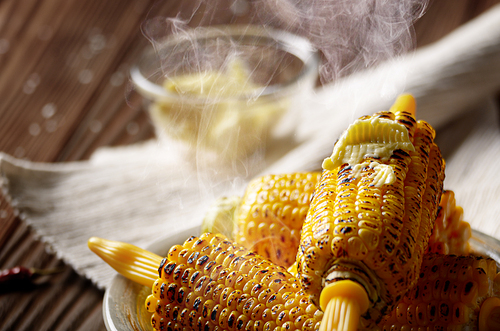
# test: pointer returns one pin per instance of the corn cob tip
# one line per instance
(489, 315)
(405, 102)
(132, 262)
(343, 302)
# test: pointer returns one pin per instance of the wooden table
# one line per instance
(64, 92)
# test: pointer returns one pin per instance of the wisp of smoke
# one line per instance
(350, 35)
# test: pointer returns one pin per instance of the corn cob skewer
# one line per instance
(371, 217)
(209, 283)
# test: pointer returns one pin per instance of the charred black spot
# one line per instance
(468, 287)
(162, 291)
(197, 303)
(202, 260)
(200, 283)
(171, 292)
(446, 286)
(346, 180)
(257, 288)
(213, 315)
(444, 309)
(230, 321)
(432, 311)
(406, 122)
(209, 265)
(194, 276)
(346, 229)
(180, 295)
(169, 268)
(384, 116)
(162, 264)
(185, 276)
(193, 257)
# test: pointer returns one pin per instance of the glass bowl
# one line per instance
(123, 305)
(225, 89)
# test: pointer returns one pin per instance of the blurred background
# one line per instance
(65, 91)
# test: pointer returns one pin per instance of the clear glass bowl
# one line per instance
(123, 305)
(225, 89)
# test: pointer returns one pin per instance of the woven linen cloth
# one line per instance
(143, 192)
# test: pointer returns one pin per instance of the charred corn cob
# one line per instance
(452, 293)
(451, 233)
(210, 283)
(274, 207)
(371, 217)
(272, 211)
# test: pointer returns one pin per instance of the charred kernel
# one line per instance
(241, 322)
(168, 269)
(202, 303)
(193, 257)
(209, 266)
(231, 320)
(194, 278)
(207, 308)
(174, 252)
(197, 303)
(223, 318)
(162, 264)
(185, 275)
(181, 294)
(178, 271)
(249, 305)
(169, 294)
(232, 300)
(190, 297)
(201, 262)
(214, 315)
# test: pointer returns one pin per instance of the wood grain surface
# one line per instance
(65, 91)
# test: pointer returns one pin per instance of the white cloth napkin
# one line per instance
(142, 192)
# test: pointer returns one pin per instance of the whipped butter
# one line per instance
(372, 137)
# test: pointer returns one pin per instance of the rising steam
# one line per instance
(350, 35)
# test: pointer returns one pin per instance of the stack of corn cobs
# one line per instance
(370, 243)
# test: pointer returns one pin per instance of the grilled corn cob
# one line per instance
(371, 217)
(451, 233)
(452, 293)
(271, 213)
(270, 216)
(210, 283)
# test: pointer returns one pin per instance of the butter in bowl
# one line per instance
(225, 90)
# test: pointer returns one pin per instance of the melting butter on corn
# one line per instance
(371, 137)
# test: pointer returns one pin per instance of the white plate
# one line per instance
(123, 306)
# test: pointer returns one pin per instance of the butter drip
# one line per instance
(370, 137)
